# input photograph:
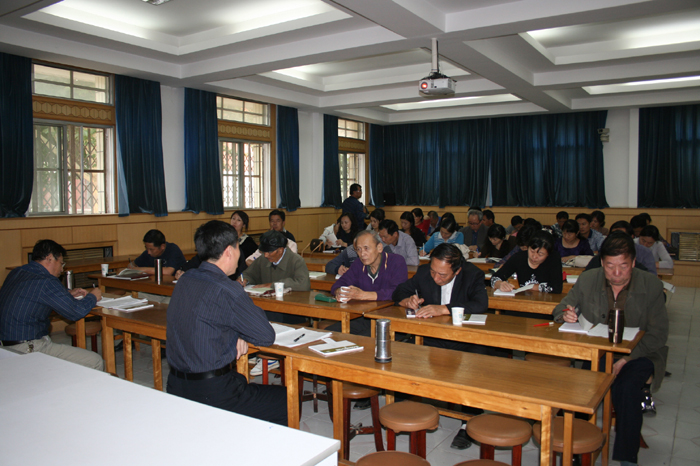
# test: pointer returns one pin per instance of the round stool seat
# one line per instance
(481, 462)
(356, 392)
(409, 416)
(549, 360)
(499, 430)
(587, 437)
(91, 328)
(391, 458)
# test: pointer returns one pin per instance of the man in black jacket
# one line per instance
(447, 281)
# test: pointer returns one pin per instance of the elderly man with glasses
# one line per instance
(29, 295)
(475, 233)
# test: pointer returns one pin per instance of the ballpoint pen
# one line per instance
(299, 337)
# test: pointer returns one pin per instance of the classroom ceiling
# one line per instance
(362, 59)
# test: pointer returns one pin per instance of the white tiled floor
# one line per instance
(673, 435)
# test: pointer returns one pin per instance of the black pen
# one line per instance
(417, 296)
(299, 337)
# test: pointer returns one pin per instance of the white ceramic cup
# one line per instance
(457, 315)
(279, 289)
(105, 269)
(343, 290)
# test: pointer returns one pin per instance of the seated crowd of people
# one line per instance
(207, 336)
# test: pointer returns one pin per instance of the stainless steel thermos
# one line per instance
(382, 348)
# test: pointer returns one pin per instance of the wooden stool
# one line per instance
(92, 328)
(412, 417)
(549, 360)
(265, 370)
(391, 458)
(352, 392)
(481, 463)
(587, 438)
(498, 430)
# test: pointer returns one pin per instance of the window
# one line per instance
(352, 170)
(71, 84)
(243, 111)
(73, 169)
(245, 174)
(351, 129)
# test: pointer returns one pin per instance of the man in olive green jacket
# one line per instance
(640, 294)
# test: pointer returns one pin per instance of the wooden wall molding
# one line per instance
(70, 110)
(352, 145)
(229, 129)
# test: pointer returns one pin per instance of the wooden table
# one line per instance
(521, 388)
(323, 282)
(302, 303)
(157, 428)
(515, 333)
(95, 264)
(526, 301)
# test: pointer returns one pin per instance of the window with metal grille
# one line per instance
(245, 174)
(352, 170)
(72, 169)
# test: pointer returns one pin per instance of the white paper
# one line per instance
(316, 274)
(515, 291)
(571, 278)
(424, 258)
(280, 329)
(338, 346)
(581, 327)
(256, 291)
(292, 339)
(476, 319)
(479, 260)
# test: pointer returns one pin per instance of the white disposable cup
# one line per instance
(105, 269)
(279, 289)
(457, 315)
(343, 290)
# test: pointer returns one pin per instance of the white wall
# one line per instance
(310, 158)
(620, 157)
(173, 106)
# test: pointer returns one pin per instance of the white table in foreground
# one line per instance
(56, 412)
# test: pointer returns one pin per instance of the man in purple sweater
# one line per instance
(373, 277)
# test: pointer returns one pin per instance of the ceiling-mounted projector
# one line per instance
(436, 83)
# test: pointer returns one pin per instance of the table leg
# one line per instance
(373, 333)
(128, 358)
(567, 456)
(419, 340)
(108, 347)
(80, 333)
(292, 379)
(242, 366)
(345, 323)
(337, 390)
(607, 413)
(157, 367)
(389, 396)
(546, 436)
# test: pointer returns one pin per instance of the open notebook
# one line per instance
(584, 327)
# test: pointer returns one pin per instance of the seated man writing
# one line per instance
(170, 255)
(373, 277)
(448, 281)
(207, 336)
(640, 294)
(29, 295)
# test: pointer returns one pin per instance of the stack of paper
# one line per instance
(317, 274)
(291, 337)
(515, 291)
(126, 304)
(332, 348)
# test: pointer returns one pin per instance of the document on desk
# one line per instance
(296, 336)
(126, 304)
(252, 289)
(317, 274)
(584, 327)
(479, 260)
(571, 278)
(330, 347)
(130, 274)
(474, 319)
(515, 291)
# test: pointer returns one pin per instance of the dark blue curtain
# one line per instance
(202, 168)
(139, 146)
(16, 135)
(669, 157)
(288, 158)
(464, 163)
(548, 160)
(331, 165)
(376, 165)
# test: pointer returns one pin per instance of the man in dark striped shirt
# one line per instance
(210, 320)
(29, 295)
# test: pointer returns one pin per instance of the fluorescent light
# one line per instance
(636, 86)
(456, 102)
(156, 2)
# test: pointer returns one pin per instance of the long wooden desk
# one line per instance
(95, 265)
(526, 301)
(302, 303)
(521, 388)
(157, 428)
(515, 333)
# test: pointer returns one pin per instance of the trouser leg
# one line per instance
(69, 353)
(360, 326)
(627, 400)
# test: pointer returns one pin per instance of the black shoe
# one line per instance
(462, 440)
(362, 404)
(648, 406)
(119, 346)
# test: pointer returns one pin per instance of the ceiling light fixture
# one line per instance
(156, 2)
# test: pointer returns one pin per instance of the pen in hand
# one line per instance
(299, 337)
(417, 297)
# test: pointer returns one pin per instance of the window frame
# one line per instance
(265, 115)
(360, 167)
(361, 136)
(109, 78)
(265, 176)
